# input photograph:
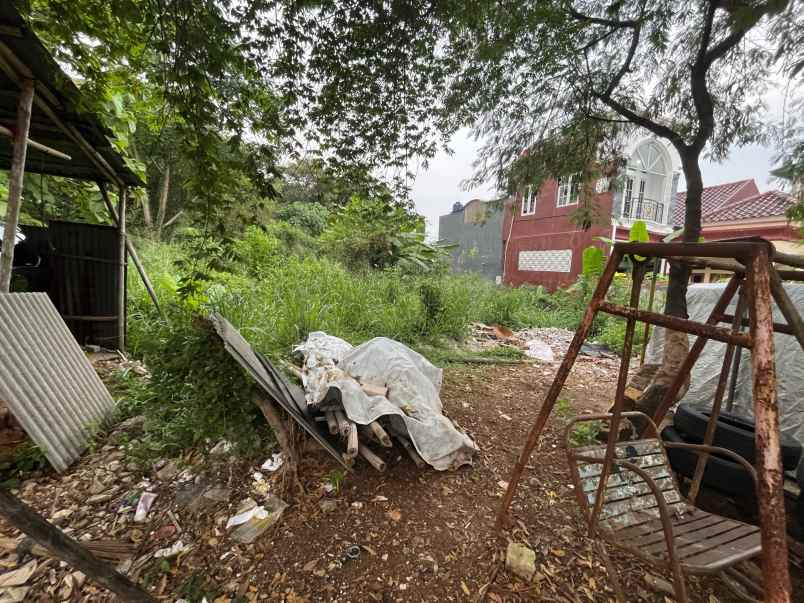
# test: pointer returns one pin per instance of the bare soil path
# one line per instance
(423, 535)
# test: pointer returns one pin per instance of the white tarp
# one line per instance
(412, 406)
(789, 361)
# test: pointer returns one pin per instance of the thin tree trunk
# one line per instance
(146, 213)
(676, 343)
(163, 199)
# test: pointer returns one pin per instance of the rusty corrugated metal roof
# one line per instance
(46, 379)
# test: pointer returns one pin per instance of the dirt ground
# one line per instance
(423, 535)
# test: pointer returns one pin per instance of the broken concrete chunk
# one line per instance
(168, 471)
(520, 560)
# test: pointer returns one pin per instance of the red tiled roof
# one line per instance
(715, 197)
(764, 205)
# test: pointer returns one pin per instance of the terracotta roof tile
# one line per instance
(715, 197)
(764, 205)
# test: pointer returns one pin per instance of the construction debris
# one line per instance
(252, 520)
(381, 390)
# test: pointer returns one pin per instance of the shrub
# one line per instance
(309, 216)
(196, 393)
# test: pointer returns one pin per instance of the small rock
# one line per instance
(100, 498)
(328, 505)
(168, 472)
(133, 423)
(357, 505)
(115, 466)
(520, 560)
(62, 515)
(97, 487)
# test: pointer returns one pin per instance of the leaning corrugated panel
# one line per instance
(46, 379)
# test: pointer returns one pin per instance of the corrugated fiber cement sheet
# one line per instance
(46, 379)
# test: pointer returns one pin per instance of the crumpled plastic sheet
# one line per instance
(412, 406)
(701, 298)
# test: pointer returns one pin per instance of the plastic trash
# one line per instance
(252, 520)
(144, 505)
(539, 350)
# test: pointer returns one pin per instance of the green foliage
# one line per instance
(375, 234)
(336, 478)
(639, 233)
(197, 393)
(309, 216)
(586, 433)
(593, 261)
(29, 457)
(564, 407)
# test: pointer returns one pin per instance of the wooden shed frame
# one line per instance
(752, 262)
(41, 116)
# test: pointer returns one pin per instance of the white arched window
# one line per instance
(645, 181)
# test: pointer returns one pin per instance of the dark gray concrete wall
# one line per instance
(479, 245)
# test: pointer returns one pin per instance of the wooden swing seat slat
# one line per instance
(630, 517)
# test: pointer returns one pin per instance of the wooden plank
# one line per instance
(704, 538)
(638, 502)
(724, 541)
(640, 448)
(626, 477)
(643, 462)
(332, 423)
(372, 458)
(626, 491)
(65, 548)
(700, 523)
(380, 433)
(747, 547)
(15, 183)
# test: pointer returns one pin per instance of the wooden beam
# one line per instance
(121, 292)
(770, 477)
(131, 250)
(679, 324)
(36, 145)
(49, 536)
(13, 67)
(15, 183)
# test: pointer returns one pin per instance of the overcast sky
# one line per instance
(438, 187)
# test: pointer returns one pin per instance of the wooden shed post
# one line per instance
(19, 153)
(121, 303)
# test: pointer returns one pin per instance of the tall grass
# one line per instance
(276, 298)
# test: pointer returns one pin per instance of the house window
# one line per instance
(568, 190)
(529, 202)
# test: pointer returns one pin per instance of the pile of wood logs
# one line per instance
(357, 437)
(354, 437)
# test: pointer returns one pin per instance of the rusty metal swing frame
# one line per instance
(751, 260)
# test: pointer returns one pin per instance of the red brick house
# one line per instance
(738, 209)
(541, 244)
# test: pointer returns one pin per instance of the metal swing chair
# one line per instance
(627, 490)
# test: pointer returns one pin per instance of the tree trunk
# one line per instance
(163, 199)
(676, 343)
